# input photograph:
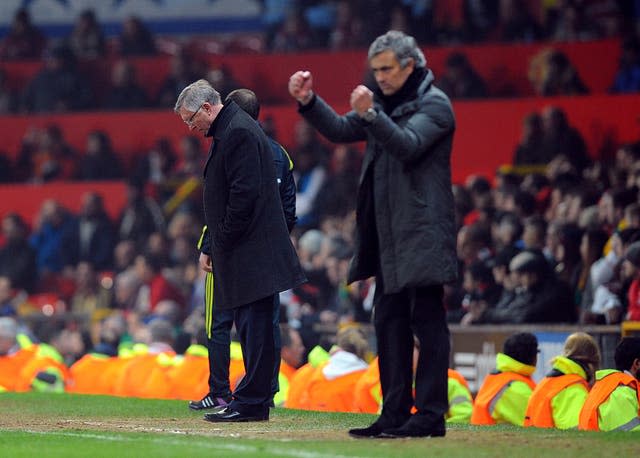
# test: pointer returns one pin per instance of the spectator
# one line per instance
(90, 300)
(8, 99)
(606, 305)
(86, 39)
(221, 78)
(348, 30)
(46, 156)
(136, 39)
(7, 306)
(158, 164)
(99, 162)
(140, 216)
(125, 93)
(191, 159)
(627, 77)
(591, 247)
(293, 35)
(181, 74)
(540, 297)
(631, 271)
(156, 287)
(504, 394)
(335, 198)
(530, 150)
(52, 238)
(460, 80)
(92, 237)
(573, 24)
(17, 258)
(6, 169)
(562, 139)
(124, 255)
(58, 86)
(517, 22)
(24, 40)
(310, 173)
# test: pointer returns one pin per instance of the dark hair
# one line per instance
(626, 352)
(522, 347)
(247, 100)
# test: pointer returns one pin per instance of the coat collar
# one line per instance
(411, 105)
(222, 120)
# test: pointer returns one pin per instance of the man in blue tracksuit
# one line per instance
(219, 322)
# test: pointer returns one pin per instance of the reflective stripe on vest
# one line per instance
(492, 389)
(539, 410)
(599, 395)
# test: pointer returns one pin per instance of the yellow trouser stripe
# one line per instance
(208, 303)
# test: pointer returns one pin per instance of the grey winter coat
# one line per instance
(407, 163)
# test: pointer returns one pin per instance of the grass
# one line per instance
(69, 426)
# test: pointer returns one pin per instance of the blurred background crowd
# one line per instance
(553, 237)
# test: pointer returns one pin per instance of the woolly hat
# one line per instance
(581, 347)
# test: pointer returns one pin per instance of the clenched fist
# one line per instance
(361, 99)
(300, 86)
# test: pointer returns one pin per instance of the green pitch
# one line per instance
(68, 426)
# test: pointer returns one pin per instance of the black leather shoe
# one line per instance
(228, 415)
(366, 433)
(410, 429)
(216, 404)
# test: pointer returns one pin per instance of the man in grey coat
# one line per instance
(251, 255)
(405, 224)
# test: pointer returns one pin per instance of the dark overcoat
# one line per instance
(251, 252)
(405, 210)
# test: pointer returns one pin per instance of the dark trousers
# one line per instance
(218, 346)
(397, 317)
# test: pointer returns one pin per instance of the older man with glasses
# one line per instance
(252, 257)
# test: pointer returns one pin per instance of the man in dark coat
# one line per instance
(405, 224)
(219, 324)
(252, 257)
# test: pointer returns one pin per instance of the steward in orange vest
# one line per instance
(557, 400)
(614, 401)
(505, 393)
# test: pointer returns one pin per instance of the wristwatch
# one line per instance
(370, 115)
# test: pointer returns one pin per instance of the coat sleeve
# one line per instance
(338, 129)
(243, 172)
(412, 141)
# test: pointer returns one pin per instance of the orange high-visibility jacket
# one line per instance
(135, 376)
(367, 395)
(599, 394)
(539, 410)
(298, 398)
(87, 372)
(492, 385)
(11, 366)
(190, 378)
(451, 373)
(41, 363)
(335, 395)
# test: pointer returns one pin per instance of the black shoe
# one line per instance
(228, 415)
(411, 429)
(210, 402)
(363, 433)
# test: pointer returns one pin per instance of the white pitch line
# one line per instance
(232, 447)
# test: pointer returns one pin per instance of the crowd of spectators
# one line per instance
(65, 83)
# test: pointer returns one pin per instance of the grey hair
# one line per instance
(403, 46)
(194, 95)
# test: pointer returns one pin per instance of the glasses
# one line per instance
(189, 122)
